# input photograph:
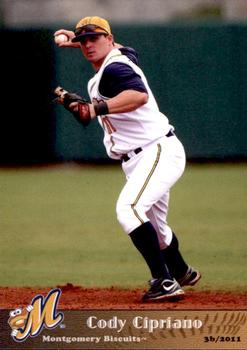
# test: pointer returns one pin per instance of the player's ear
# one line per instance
(110, 38)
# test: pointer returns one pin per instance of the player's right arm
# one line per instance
(70, 34)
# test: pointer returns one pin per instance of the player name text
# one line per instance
(145, 323)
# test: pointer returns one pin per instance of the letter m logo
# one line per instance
(43, 314)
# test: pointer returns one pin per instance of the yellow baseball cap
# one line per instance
(91, 26)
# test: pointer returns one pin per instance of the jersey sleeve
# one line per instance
(118, 77)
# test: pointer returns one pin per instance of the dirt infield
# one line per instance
(77, 298)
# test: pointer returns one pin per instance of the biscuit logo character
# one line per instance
(18, 318)
(31, 320)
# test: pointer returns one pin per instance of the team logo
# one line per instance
(42, 312)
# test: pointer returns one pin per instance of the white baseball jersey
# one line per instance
(124, 132)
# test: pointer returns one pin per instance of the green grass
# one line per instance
(58, 225)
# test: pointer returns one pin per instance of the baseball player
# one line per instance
(138, 134)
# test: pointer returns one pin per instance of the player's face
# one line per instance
(96, 47)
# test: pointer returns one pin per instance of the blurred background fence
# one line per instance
(196, 69)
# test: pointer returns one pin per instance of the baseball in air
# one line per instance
(61, 38)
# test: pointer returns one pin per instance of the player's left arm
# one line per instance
(126, 101)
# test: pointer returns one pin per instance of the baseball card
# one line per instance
(123, 175)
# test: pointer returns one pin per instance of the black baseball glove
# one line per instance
(66, 98)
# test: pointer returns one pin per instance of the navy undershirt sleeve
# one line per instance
(130, 53)
(118, 77)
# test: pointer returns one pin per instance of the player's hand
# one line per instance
(70, 34)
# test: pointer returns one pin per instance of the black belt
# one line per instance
(125, 157)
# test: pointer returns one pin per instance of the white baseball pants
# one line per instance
(150, 175)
